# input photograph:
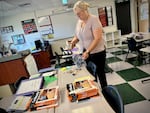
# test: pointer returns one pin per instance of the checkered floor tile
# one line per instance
(127, 75)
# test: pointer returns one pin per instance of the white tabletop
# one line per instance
(146, 49)
(93, 105)
(146, 36)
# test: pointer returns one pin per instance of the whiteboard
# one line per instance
(64, 25)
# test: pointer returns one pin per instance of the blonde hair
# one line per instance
(81, 5)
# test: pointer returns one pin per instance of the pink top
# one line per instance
(85, 34)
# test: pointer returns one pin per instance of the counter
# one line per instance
(11, 69)
(9, 58)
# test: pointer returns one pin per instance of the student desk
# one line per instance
(67, 75)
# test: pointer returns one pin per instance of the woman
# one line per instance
(89, 34)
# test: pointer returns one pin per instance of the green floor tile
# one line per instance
(129, 94)
(112, 59)
(132, 74)
(135, 61)
(119, 52)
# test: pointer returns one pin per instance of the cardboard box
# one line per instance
(81, 90)
(46, 98)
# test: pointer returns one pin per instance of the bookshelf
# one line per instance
(113, 38)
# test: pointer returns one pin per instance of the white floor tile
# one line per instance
(145, 68)
(126, 50)
(121, 65)
(109, 55)
(114, 79)
(123, 56)
(142, 88)
(113, 49)
(138, 107)
(131, 55)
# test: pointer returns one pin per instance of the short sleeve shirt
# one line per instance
(85, 34)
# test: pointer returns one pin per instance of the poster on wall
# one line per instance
(144, 11)
(7, 29)
(109, 15)
(29, 26)
(105, 15)
(45, 26)
(102, 16)
(18, 39)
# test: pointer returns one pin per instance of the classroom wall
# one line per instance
(63, 24)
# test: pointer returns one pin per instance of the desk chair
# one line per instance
(31, 65)
(91, 67)
(133, 47)
(113, 97)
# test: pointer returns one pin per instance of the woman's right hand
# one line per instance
(72, 45)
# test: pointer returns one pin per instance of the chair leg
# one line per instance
(127, 56)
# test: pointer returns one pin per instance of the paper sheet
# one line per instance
(29, 86)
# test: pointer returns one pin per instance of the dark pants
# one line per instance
(99, 59)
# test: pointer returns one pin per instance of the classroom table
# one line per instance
(67, 75)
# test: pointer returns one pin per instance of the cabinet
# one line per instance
(42, 59)
(11, 71)
(113, 38)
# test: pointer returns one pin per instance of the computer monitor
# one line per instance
(38, 44)
(64, 2)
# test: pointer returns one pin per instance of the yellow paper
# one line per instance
(83, 78)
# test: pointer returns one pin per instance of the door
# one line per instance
(123, 17)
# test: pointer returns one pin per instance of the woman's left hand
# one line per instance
(85, 55)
